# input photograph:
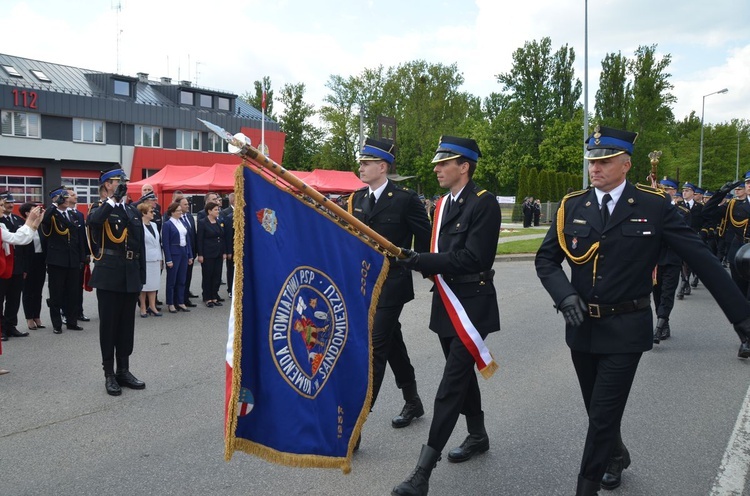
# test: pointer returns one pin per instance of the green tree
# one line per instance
(255, 98)
(534, 188)
(614, 93)
(302, 137)
(650, 108)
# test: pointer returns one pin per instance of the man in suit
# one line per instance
(118, 276)
(65, 254)
(80, 221)
(611, 235)
(397, 214)
(10, 289)
(464, 304)
(192, 239)
(228, 215)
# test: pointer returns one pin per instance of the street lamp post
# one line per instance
(700, 160)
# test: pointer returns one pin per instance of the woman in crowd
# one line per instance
(211, 253)
(177, 255)
(154, 261)
(36, 272)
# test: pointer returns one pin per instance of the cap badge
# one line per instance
(597, 135)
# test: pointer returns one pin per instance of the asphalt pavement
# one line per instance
(61, 434)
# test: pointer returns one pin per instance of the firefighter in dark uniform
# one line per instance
(464, 304)
(689, 194)
(118, 276)
(668, 270)
(611, 235)
(734, 228)
(399, 215)
(65, 248)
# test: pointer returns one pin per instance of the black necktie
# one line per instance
(371, 201)
(449, 205)
(605, 209)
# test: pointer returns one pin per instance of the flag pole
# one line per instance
(263, 120)
(249, 152)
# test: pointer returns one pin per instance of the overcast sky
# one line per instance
(227, 45)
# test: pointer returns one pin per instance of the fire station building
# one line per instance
(62, 125)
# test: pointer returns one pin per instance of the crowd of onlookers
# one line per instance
(61, 254)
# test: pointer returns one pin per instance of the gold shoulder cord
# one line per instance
(66, 232)
(482, 192)
(586, 257)
(111, 236)
(730, 211)
(349, 203)
(649, 189)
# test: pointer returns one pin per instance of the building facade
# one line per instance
(62, 125)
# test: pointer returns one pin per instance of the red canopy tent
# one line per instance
(168, 174)
(218, 178)
(333, 181)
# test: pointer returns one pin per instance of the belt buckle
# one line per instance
(129, 255)
(594, 311)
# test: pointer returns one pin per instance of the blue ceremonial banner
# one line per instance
(298, 355)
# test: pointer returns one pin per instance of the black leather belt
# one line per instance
(601, 310)
(487, 275)
(127, 254)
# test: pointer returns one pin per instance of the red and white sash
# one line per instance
(466, 331)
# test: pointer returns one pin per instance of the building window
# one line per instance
(12, 71)
(186, 97)
(188, 140)
(223, 103)
(24, 189)
(217, 144)
(148, 136)
(148, 172)
(87, 131)
(41, 76)
(122, 88)
(206, 101)
(87, 189)
(20, 124)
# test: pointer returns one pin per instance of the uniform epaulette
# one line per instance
(576, 193)
(480, 193)
(649, 189)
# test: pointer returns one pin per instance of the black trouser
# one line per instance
(33, 285)
(116, 326)
(388, 346)
(230, 275)
(740, 281)
(211, 272)
(458, 392)
(188, 280)
(667, 280)
(605, 381)
(10, 292)
(63, 285)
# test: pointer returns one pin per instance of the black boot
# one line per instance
(744, 350)
(661, 330)
(694, 284)
(476, 442)
(111, 385)
(686, 287)
(586, 487)
(666, 331)
(128, 380)
(418, 483)
(613, 476)
(412, 408)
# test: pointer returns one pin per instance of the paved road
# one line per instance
(62, 435)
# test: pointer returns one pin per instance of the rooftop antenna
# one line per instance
(118, 8)
(197, 73)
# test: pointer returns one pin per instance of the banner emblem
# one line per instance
(308, 331)
(267, 219)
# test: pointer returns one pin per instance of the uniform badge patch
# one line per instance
(574, 243)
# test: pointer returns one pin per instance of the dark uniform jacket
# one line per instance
(65, 245)
(467, 246)
(614, 265)
(400, 217)
(211, 240)
(696, 216)
(121, 263)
